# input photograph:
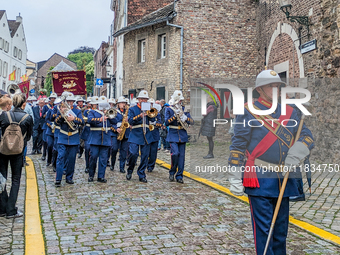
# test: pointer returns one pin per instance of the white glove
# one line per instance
(184, 117)
(153, 122)
(295, 155)
(119, 124)
(177, 111)
(235, 179)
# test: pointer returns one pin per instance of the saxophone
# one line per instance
(125, 124)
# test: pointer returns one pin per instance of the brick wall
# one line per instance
(321, 66)
(52, 61)
(139, 8)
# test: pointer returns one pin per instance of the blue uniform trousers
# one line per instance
(50, 146)
(262, 211)
(87, 155)
(177, 159)
(123, 151)
(153, 155)
(44, 143)
(66, 161)
(114, 150)
(101, 152)
(134, 152)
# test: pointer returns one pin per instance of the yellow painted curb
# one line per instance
(301, 224)
(34, 241)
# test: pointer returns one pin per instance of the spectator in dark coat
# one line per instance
(39, 121)
(7, 203)
(207, 127)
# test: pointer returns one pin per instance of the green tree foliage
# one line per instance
(89, 68)
(48, 82)
(81, 59)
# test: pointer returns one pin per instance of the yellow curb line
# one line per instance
(301, 224)
(34, 241)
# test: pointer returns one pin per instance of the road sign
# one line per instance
(99, 83)
(32, 91)
(308, 46)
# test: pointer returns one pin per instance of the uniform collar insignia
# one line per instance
(265, 102)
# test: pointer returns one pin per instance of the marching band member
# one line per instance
(178, 136)
(122, 111)
(99, 139)
(139, 138)
(114, 143)
(80, 105)
(157, 123)
(48, 132)
(274, 148)
(44, 152)
(85, 134)
(68, 140)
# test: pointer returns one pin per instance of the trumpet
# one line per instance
(152, 113)
(71, 124)
(111, 113)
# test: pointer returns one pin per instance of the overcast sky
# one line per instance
(60, 25)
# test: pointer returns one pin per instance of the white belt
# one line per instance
(88, 125)
(97, 129)
(270, 166)
(140, 126)
(57, 127)
(176, 127)
(68, 133)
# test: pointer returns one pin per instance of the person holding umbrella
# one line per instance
(270, 149)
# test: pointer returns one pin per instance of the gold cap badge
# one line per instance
(273, 73)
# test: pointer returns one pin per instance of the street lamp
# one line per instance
(286, 6)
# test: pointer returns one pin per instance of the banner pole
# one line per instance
(52, 82)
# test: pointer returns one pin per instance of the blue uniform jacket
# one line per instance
(136, 135)
(49, 123)
(86, 131)
(38, 121)
(66, 135)
(44, 113)
(53, 116)
(98, 136)
(247, 138)
(119, 119)
(158, 125)
(176, 135)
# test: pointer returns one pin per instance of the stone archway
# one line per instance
(289, 30)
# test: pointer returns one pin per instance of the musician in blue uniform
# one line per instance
(68, 139)
(44, 148)
(85, 134)
(114, 143)
(47, 127)
(100, 137)
(157, 123)
(177, 136)
(268, 148)
(122, 110)
(140, 137)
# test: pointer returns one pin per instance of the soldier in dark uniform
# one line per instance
(177, 136)
(48, 142)
(267, 148)
(80, 105)
(85, 134)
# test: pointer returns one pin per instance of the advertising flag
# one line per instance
(74, 82)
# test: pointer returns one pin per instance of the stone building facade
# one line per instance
(100, 71)
(278, 46)
(218, 46)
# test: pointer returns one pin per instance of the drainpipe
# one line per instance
(181, 63)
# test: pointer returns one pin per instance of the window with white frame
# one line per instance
(18, 74)
(5, 70)
(15, 52)
(6, 46)
(141, 50)
(1, 43)
(20, 54)
(0, 67)
(195, 103)
(163, 46)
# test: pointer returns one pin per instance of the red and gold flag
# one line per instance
(11, 77)
(74, 81)
(25, 87)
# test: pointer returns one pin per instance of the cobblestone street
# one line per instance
(129, 217)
